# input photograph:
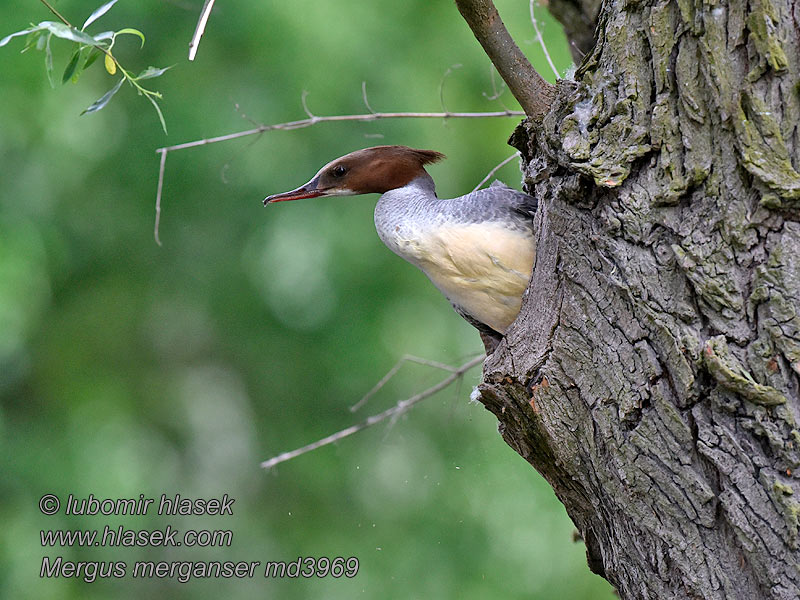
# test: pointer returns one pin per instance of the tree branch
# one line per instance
(200, 29)
(313, 120)
(56, 13)
(532, 92)
(394, 411)
(393, 371)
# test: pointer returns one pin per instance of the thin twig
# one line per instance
(364, 95)
(541, 41)
(56, 13)
(158, 195)
(393, 371)
(449, 70)
(301, 123)
(236, 108)
(303, 97)
(313, 120)
(238, 152)
(495, 170)
(496, 92)
(397, 409)
(200, 29)
(575, 47)
(534, 94)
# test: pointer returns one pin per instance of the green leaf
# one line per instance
(103, 100)
(69, 33)
(71, 66)
(41, 41)
(131, 31)
(98, 13)
(151, 72)
(35, 40)
(91, 58)
(9, 37)
(160, 114)
(48, 61)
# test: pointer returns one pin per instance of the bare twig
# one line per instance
(532, 92)
(236, 108)
(158, 194)
(303, 97)
(200, 29)
(541, 40)
(495, 170)
(56, 13)
(364, 95)
(574, 46)
(397, 409)
(313, 120)
(393, 371)
(496, 91)
(449, 70)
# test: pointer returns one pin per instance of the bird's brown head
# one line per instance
(371, 170)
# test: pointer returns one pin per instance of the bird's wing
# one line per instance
(499, 199)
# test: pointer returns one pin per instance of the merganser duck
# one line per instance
(478, 249)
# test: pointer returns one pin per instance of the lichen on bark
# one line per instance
(653, 375)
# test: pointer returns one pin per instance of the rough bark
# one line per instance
(652, 376)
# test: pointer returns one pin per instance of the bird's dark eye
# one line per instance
(338, 170)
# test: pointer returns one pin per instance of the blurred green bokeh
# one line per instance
(128, 368)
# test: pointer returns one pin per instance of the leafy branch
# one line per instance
(87, 49)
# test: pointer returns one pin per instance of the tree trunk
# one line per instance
(652, 376)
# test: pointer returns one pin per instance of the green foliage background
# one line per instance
(128, 368)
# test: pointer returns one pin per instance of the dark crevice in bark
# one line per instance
(579, 18)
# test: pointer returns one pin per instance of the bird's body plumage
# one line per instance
(477, 249)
